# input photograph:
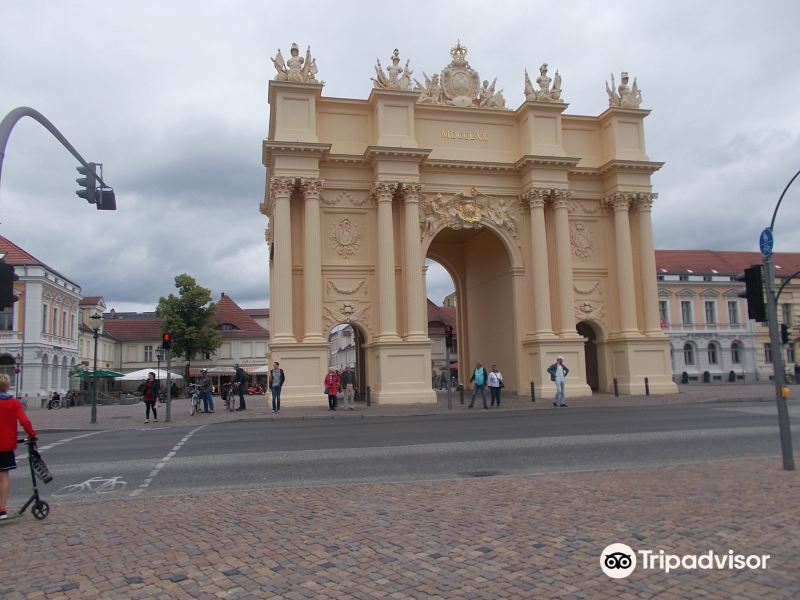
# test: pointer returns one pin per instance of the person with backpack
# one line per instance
(11, 411)
(240, 379)
(479, 377)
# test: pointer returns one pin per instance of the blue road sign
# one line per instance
(766, 241)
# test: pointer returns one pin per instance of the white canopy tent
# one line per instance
(141, 375)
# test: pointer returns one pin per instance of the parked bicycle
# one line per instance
(229, 395)
(195, 397)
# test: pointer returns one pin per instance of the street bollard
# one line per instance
(461, 392)
(616, 387)
(533, 392)
(646, 386)
(369, 396)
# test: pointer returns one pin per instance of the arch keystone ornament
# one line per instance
(550, 246)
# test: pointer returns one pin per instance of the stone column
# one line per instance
(625, 283)
(647, 258)
(387, 297)
(566, 303)
(415, 289)
(312, 267)
(542, 323)
(281, 293)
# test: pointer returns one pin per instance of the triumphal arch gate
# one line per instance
(543, 219)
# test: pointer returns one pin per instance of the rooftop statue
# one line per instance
(399, 78)
(545, 93)
(459, 85)
(296, 69)
(624, 96)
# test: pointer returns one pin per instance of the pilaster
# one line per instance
(387, 296)
(643, 208)
(412, 269)
(312, 269)
(566, 311)
(281, 189)
(626, 292)
(542, 322)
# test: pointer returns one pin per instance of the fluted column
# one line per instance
(566, 304)
(625, 284)
(281, 292)
(415, 288)
(387, 296)
(312, 263)
(542, 323)
(647, 259)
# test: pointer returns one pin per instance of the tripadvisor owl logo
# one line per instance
(618, 561)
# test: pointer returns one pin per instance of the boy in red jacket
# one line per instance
(11, 411)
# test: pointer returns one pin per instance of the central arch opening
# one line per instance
(480, 267)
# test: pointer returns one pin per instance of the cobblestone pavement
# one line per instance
(496, 537)
(132, 415)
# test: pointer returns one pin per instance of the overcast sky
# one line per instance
(172, 98)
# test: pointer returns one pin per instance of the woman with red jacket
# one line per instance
(332, 387)
(11, 411)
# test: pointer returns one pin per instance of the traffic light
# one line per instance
(166, 341)
(754, 292)
(88, 182)
(448, 336)
(106, 200)
(784, 333)
(7, 279)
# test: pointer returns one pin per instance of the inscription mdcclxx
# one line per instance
(474, 136)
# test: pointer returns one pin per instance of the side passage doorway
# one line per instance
(590, 351)
(346, 348)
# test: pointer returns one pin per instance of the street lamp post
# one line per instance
(95, 329)
(17, 372)
(159, 356)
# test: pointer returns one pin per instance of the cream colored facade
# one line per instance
(543, 219)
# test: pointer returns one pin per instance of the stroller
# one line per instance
(40, 508)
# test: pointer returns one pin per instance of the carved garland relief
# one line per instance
(466, 210)
(591, 306)
(347, 312)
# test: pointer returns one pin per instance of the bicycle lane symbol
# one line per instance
(97, 485)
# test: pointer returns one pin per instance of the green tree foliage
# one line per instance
(189, 317)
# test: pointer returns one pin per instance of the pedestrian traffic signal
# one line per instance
(784, 333)
(88, 182)
(754, 292)
(448, 336)
(166, 341)
(106, 200)
(7, 279)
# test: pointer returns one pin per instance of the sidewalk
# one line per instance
(496, 537)
(132, 415)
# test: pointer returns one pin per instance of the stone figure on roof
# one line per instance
(296, 69)
(624, 96)
(545, 93)
(398, 78)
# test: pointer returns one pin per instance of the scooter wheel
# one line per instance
(40, 510)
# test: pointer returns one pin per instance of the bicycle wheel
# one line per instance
(194, 405)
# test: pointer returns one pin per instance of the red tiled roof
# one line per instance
(256, 312)
(129, 330)
(228, 312)
(712, 262)
(90, 300)
(441, 314)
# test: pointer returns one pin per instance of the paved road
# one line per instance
(254, 454)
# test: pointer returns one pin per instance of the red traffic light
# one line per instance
(166, 341)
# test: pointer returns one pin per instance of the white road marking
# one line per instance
(152, 475)
(59, 442)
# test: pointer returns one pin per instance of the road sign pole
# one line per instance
(169, 385)
(449, 387)
(777, 363)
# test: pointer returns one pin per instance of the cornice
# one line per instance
(616, 110)
(345, 159)
(469, 165)
(629, 166)
(273, 147)
(547, 162)
(373, 153)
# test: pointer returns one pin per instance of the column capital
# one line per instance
(413, 192)
(644, 201)
(535, 197)
(560, 198)
(281, 186)
(620, 200)
(312, 188)
(383, 191)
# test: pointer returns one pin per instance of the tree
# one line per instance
(189, 318)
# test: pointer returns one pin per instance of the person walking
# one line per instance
(150, 396)
(558, 373)
(331, 387)
(479, 378)
(11, 412)
(205, 389)
(240, 379)
(348, 383)
(495, 383)
(276, 379)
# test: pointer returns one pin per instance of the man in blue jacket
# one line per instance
(558, 374)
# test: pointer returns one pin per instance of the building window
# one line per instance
(54, 330)
(713, 353)
(7, 319)
(683, 278)
(663, 312)
(688, 354)
(733, 312)
(711, 312)
(72, 327)
(736, 353)
(63, 323)
(767, 353)
(790, 355)
(686, 312)
(148, 354)
(44, 318)
(786, 310)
